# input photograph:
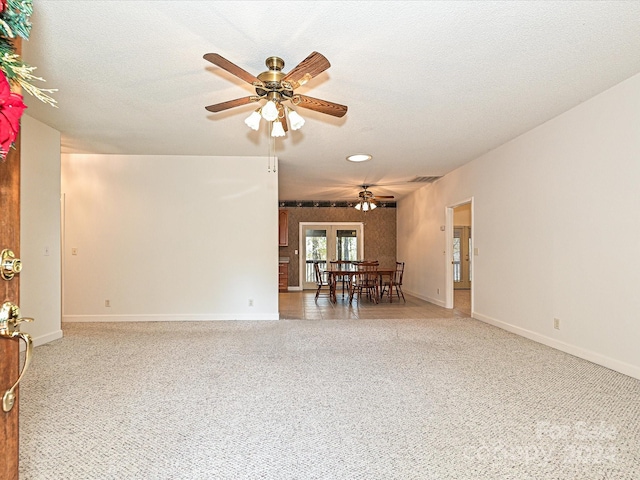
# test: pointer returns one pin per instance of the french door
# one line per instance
(323, 242)
(461, 263)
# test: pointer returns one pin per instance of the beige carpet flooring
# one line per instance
(355, 398)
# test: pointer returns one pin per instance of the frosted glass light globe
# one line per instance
(270, 111)
(253, 120)
(277, 130)
(295, 120)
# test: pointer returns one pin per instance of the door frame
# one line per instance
(302, 261)
(448, 252)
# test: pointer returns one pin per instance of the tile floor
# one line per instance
(302, 305)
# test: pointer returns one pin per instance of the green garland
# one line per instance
(14, 21)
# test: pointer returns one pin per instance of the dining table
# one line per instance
(339, 272)
(334, 274)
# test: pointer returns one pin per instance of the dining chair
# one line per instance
(365, 281)
(322, 282)
(388, 286)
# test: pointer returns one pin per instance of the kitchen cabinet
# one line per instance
(283, 276)
(283, 228)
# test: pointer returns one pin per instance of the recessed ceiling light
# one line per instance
(359, 157)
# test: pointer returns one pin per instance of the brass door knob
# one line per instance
(9, 264)
(10, 321)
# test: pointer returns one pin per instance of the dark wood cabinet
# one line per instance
(283, 276)
(283, 228)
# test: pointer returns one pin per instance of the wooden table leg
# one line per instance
(332, 288)
(390, 286)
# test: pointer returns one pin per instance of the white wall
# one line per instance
(556, 223)
(169, 238)
(40, 281)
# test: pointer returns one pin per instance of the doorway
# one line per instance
(459, 257)
(323, 242)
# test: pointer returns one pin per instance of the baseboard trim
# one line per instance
(435, 301)
(169, 318)
(294, 289)
(49, 337)
(43, 339)
(590, 355)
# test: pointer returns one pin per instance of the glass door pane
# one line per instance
(346, 244)
(469, 247)
(457, 270)
(315, 238)
(461, 264)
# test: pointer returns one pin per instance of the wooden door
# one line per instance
(10, 291)
(283, 228)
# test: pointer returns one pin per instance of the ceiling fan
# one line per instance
(276, 87)
(367, 200)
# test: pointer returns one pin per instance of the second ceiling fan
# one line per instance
(276, 87)
(367, 200)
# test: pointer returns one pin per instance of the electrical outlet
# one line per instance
(107, 303)
(74, 251)
(556, 323)
(251, 302)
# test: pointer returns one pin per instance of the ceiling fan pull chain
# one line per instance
(271, 159)
(270, 140)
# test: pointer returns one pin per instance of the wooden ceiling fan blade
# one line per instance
(318, 105)
(219, 107)
(313, 65)
(232, 68)
(384, 196)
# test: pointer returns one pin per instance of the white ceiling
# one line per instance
(429, 85)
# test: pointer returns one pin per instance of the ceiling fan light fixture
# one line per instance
(295, 120)
(359, 157)
(277, 130)
(270, 111)
(253, 120)
(365, 205)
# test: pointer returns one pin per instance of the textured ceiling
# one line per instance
(429, 85)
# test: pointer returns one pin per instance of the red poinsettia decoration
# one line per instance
(3, 5)
(11, 108)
